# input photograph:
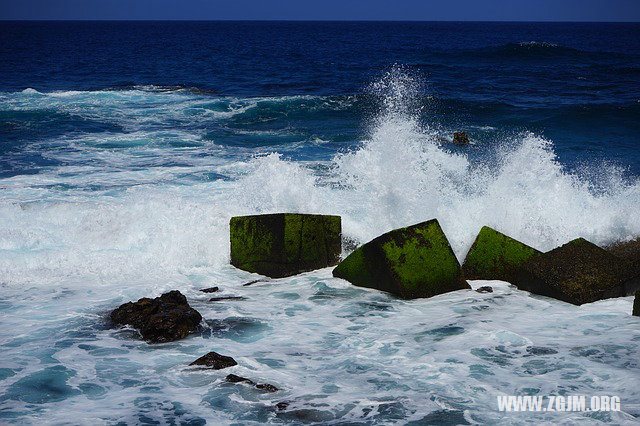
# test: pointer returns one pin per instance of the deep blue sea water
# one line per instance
(125, 147)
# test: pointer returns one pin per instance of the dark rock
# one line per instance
(495, 256)
(628, 251)
(209, 290)
(636, 304)
(285, 244)
(460, 138)
(221, 298)
(215, 360)
(485, 289)
(411, 262)
(280, 406)
(578, 272)
(163, 319)
(267, 387)
(251, 283)
(232, 378)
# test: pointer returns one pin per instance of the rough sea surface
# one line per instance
(125, 148)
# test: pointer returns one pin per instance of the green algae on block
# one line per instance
(411, 262)
(285, 244)
(495, 256)
(636, 304)
(577, 272)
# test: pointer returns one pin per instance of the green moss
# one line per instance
(495, 256)
(636, 304)
(284, 244)
(416, 261)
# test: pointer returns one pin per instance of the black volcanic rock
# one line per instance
(215, 360)
(266, 387)
(209, 290)
(460, 138)
(163, 319)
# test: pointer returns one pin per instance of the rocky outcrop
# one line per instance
(485, 289)
(460, 138)
(285, 244)
(265, 387)
(163, 319)
(495, 256)
(636, 304)
(578, 272)
(210, 289)
(215, 361)
(411, 262)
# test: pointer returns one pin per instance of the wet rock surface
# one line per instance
(460, 138)
(578, 272)
(265, 387)
(209, 290)
(485, 289)
(285, 244)
(416, 261)
(215, 361)
(163, 319)
(496, 256)
(223, 298)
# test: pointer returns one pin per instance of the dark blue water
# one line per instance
(575, 83)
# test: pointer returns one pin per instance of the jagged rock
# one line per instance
(285, 244)
(215, 360)
(411, 262)
(232, 378)
(460, 138)
(485, 289)
(636, 304)
(209, 290)
(495, 256)
(578, 272)
(163, 319)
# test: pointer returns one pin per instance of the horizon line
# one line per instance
(322, 20)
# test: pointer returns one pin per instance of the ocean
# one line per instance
(126, 147)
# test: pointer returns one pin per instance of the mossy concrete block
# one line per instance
(411, 262)
(636, 304)
(495, 256)
(578, 272)
(285, 244)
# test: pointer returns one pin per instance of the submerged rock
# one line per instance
(636, 304)
(209, 290)
(221, 298)
(460, 138)
(266, 387)
(285, 244)
(578, 272)
(163, 319)
(495, 256)
(485, 289)
(411, 262)
(215, 360)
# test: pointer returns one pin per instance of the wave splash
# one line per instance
(399, 175)
(402, 175)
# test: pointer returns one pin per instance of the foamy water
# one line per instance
(143, 208)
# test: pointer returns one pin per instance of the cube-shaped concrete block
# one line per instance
(285, 244)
